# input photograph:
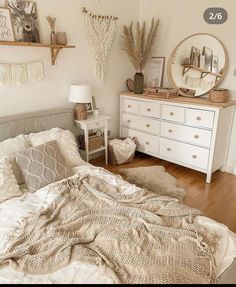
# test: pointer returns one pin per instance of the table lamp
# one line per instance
(81, 95)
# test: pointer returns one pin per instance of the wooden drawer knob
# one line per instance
(129, 106)
(129, 121)
(148, 126)
(196, 137)
(199, 118)
(147, 143)
(194, 157)
(170, 131)
(169, 149)
(149, 110)
(172, 114)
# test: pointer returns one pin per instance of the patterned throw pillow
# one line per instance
(8, 184)
(66, 143)
(42, 165)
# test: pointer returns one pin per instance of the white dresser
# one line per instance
(191, 132)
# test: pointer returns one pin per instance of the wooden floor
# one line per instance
(217, 200)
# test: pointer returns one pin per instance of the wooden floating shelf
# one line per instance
(55, 49)
(203, 71)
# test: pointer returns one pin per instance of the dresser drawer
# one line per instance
(140, 123)
(150, 126)
(200, 118)
(131, 121)
(130, 106)
(146, 143)
(173, 113)
(184, 153)
(186, 134)
(150, 109)
(97, 125)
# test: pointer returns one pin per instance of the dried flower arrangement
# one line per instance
(52, 22)
(139, 47)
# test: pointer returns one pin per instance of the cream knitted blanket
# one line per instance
(139, 238)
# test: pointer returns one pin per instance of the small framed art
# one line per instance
(6, 30)
(215, 64)
(25, 20)
(194, 56)
(89, 107)
(154, 72)
(3, 3)
(208, 58)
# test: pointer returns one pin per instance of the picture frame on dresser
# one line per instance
(154, 72)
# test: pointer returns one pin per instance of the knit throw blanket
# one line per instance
(139, 238)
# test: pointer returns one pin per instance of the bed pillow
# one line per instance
(10, 148)
(65, 140)
(42, 165)
(8, 184)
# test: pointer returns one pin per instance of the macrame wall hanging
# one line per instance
(101, 31)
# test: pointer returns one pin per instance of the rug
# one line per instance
(155, 179)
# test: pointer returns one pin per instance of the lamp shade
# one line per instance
(80, 94)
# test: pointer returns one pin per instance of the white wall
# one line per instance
(73, 65)
(182, 18)
(178, 19)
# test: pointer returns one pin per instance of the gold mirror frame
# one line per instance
(170, 62)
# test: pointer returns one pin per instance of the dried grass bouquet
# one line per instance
(52, 22)
(137, 45)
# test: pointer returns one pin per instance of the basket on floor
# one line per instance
(112, 157)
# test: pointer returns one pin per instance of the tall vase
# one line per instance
(53, 37)
(138, 83)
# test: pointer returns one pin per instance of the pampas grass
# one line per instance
(52, 22)
(137, 45)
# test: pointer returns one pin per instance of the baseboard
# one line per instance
(230, 169)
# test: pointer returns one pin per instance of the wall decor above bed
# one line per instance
(101, 31)
(19, 74)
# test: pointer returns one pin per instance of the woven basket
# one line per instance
(95, 141)
(112, 158)
(219, 96)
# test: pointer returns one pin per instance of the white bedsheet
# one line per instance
(14, 210)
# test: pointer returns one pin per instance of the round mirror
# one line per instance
(198, 65)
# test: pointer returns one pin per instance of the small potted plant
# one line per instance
(138, 46)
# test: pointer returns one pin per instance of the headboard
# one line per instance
(13, 126)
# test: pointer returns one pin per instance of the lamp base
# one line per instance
(80, 112)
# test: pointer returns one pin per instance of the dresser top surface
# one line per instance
(182, 100)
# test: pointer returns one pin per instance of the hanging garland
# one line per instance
(101, 32)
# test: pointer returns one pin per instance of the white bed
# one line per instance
(13, 211)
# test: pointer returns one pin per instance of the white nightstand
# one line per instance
(95, 123)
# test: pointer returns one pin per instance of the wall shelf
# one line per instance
(55, 49)
(203, 72)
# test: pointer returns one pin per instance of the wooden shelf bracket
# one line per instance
(54, 54)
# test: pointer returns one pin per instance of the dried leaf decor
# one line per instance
(52, 22)
(137, 46)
